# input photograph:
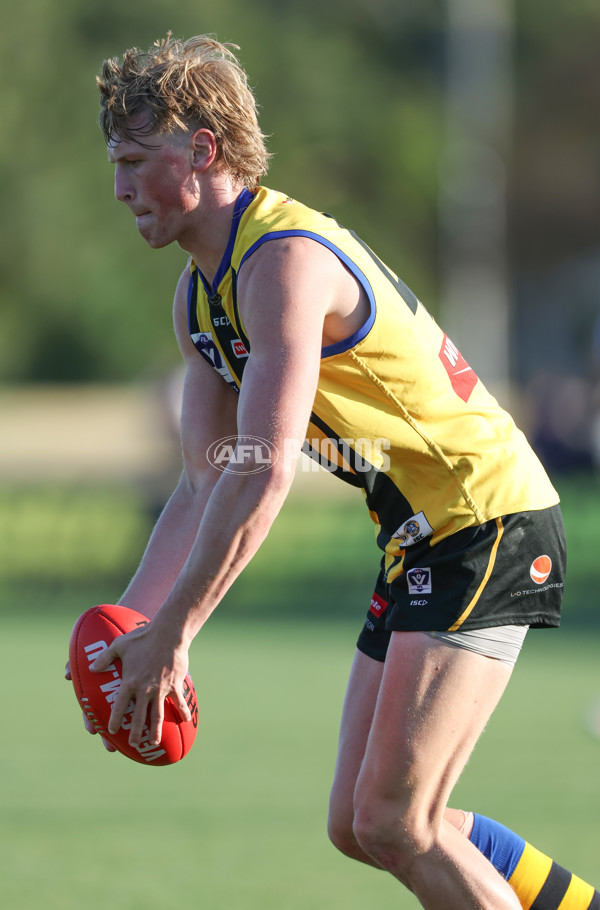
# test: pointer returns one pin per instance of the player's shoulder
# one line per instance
(273, 215)
(287, 275)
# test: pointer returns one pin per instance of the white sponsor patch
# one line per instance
(413, 530)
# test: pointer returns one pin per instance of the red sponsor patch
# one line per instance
(378, 605)
(238, 348)
(461, 375)
(540, 569)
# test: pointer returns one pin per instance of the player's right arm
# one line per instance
(205, 418)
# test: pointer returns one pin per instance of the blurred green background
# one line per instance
(374, 116)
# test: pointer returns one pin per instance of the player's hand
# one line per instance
(152, 670)
(108, 746)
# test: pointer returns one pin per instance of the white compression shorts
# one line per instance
(500, 642)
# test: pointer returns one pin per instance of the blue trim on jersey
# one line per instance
(340, 346)
(500, 845)
(241, 204)
(190, 301)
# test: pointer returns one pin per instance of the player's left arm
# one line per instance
(283, 303)
(283, 318)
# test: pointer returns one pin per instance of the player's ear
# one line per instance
(204, 149)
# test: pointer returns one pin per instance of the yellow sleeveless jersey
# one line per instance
(398, 411)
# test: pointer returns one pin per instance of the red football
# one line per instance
(93, 632)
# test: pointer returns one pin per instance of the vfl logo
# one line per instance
(419, 581)
(205, 344)
(462, 377)
(540, 569)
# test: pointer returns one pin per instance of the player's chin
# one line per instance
(158, 244)
(155, 240)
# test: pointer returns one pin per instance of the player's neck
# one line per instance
(208, 240)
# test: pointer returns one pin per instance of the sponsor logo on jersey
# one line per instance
(539, 572)
(462, 377)
(419, 581)
(239, 348)
(378, 605)
(413, 530)
(540, 569)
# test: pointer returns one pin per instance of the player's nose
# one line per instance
(123, 187)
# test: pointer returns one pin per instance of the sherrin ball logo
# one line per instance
(540, 569)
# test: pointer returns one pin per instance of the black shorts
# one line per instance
(508, 571)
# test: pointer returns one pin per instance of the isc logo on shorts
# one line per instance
(419, 581)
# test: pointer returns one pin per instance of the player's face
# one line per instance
(155, 179)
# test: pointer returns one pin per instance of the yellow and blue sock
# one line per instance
(539, 882)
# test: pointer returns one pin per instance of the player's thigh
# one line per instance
(433, 704)
(357, 715)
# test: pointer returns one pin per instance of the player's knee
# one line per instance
(344, 841)
(394, 838)
(341, 834)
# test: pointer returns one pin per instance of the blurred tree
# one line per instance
(351, 94)
(555, 179)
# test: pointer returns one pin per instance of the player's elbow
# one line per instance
(254, 459)
(197, 480)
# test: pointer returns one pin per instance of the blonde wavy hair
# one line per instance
(181, 86)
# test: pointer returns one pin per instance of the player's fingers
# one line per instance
(88, 726)
(68, 670)
(121, 706)
(138, 709)
(181, 705)
(157, 714)
(105, 659)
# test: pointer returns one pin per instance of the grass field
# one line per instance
(240, 823)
